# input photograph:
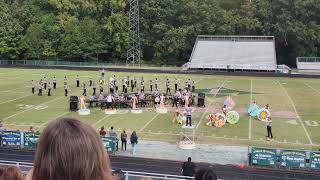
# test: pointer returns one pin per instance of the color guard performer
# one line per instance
(32, 86)
(84, 90)
(65, 86)
(94, 89)
(54, 82)
(49, 89)
(78, 80)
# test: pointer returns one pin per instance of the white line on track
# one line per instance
(149, 122)
(15, 99)
(20, 112)
(312, 88)
(93, 125)
(295, 109)
(250, 128)
(207, 109)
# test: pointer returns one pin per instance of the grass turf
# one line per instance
(19, 109)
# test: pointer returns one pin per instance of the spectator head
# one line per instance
(189, 159)
(111, 128)
(205, 174)
(11, 173)
(118, 175)
(124, 131)
(102, 128)
(69, 149)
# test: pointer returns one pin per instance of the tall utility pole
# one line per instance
(133, 53)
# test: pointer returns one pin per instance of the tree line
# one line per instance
(97, 30)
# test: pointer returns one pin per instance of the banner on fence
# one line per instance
(293, 159)
(11, 138)
(315, 160)
(263, 157)
(109, 143)
(31, 139)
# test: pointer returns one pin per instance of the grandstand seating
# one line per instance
(233, 52)
(308, 63)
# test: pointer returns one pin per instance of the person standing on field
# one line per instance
(32, 86)
(54, 82)
(78, 80)
(269, 127)
(124, 140)
(134, 142)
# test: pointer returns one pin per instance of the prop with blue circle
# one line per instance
(257, 112)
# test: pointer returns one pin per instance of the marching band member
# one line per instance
(132, 85)
(101, 88)
(49, 89)
(84, 90)
(94, 88)
(168, 87)
(193, 86)
(65, 81)
(32, 86)
(54, 82)
(90, 81)
(65, 86)
(142, 98)
(45, 82)
(78, 80)
(116, 85)
(151, 85)
(175, 84)
(175, 99)
(142, 85)
(40, 88)
(156, 84)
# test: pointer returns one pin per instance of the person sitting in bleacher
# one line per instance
(11, 173)
(69, 149)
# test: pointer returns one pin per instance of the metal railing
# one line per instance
(129, 175)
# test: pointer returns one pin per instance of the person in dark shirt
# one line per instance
(94, 89)
(205, 174)
(102, 132)
(78, 80)
(188, 168)
(124, 141)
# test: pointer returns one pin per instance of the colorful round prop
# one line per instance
(253, 110)
(263, 114)
(219, 120)
(232, 117)
(211, 119)
(229, 103)
(182, 118)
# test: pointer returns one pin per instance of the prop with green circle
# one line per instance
(233, 117)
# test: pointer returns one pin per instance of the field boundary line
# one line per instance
(250, 119)
(47, 122)
(298, 116)
(143, 127)
(20, 112)
(215, 95)
(105, 117)
(312, 88)
(15, 99)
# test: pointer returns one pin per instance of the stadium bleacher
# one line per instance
(233, 52)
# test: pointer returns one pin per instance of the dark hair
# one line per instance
(118, 175)
(111, 128)
(11, 173)
(124, 131)
(102, 128)
(189, 159)
(205, 174)
(69, 149)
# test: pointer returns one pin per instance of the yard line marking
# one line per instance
(43, 124)
(210, 104)
(299, 118)
(20, 112)
(148, 122)
(101, 120)
(250, 128)
(312, 88)
(11, 90)
(15, 99)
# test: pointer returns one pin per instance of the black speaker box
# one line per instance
(201, 98)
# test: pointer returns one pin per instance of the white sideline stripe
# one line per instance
(15, 99)
(149, 122)
(101, 120)
(210, 104)
(43, 124)
(32, 108)
(312, 88)
(250, 128)
(12, 90)
(299, 118)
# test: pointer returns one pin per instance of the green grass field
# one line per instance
(295, 107)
